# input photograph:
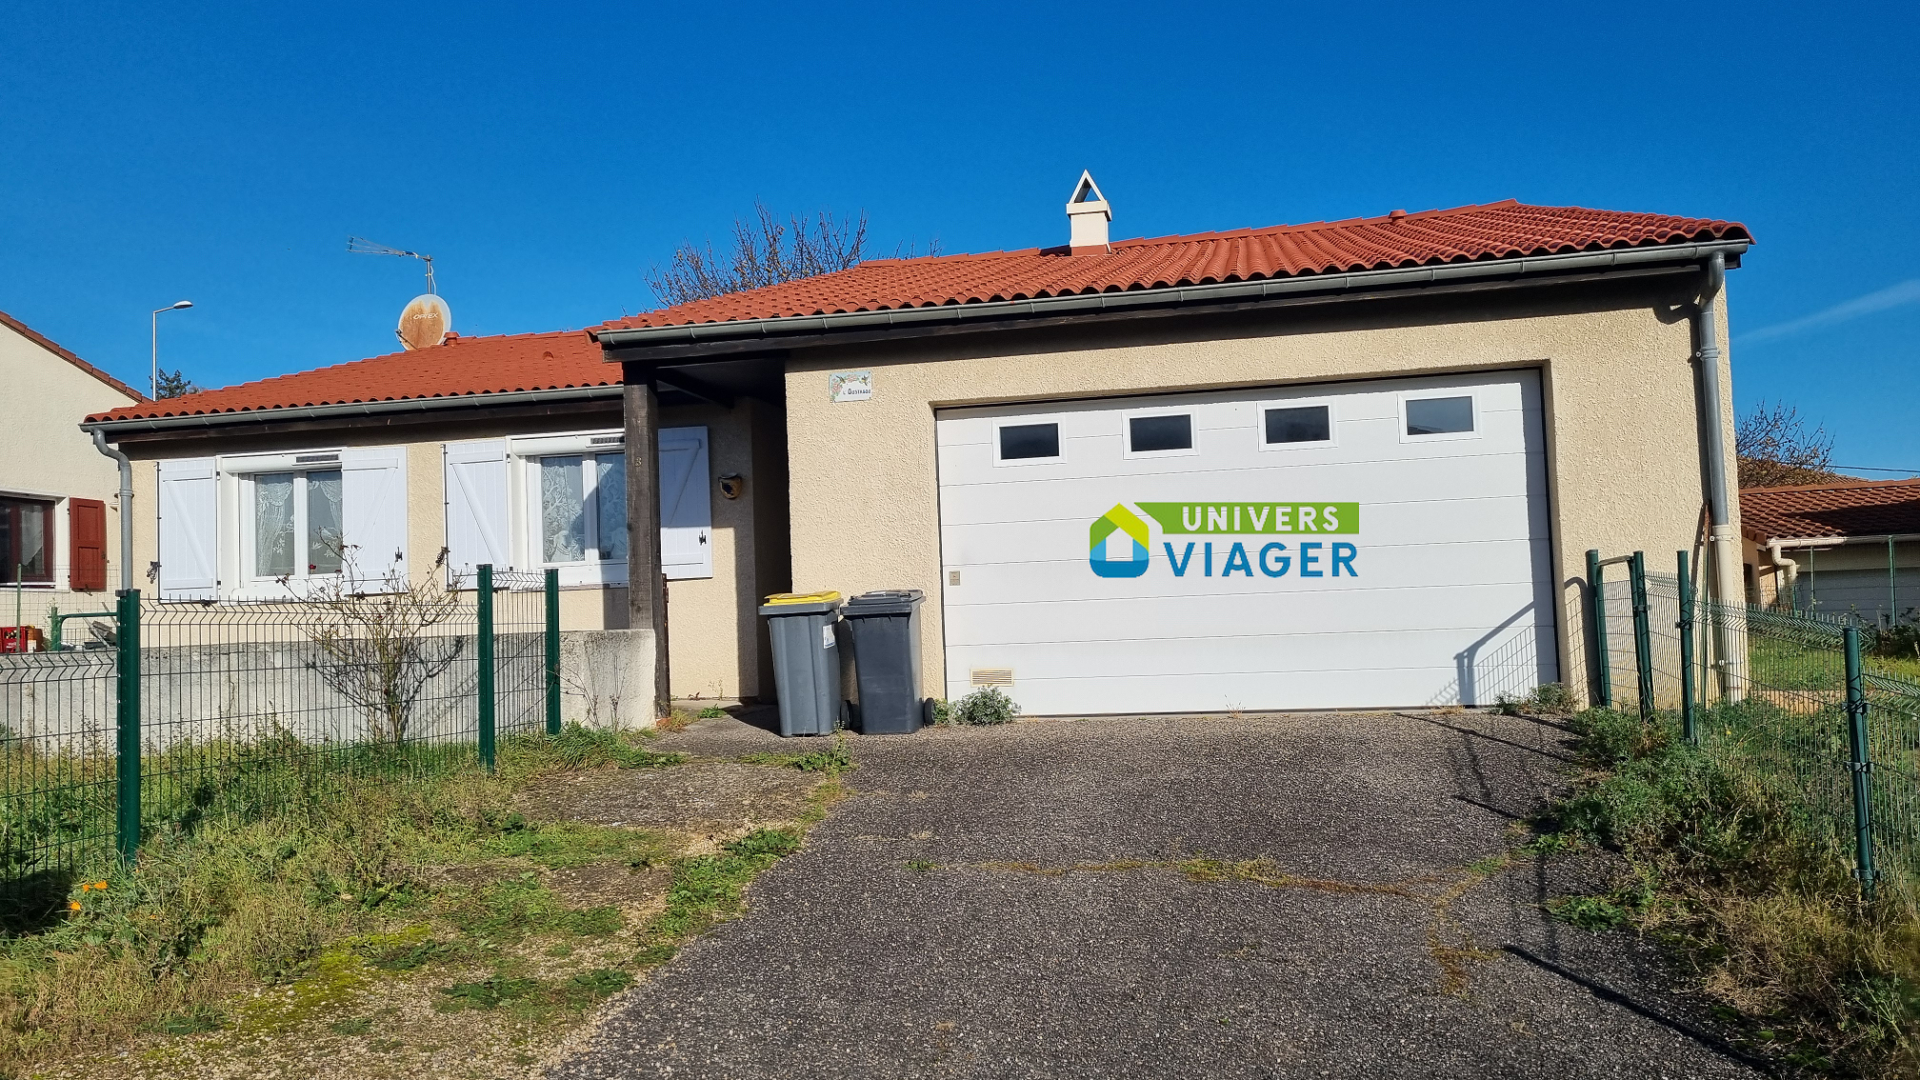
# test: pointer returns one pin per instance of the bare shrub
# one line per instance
(379, 649)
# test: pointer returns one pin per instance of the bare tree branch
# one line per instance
(379, 650)
(1775, 449)
(766, 251)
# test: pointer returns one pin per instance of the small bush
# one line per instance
(1547, 699)
(942, 712)
(985, 706)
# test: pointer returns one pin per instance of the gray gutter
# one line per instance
(1120, 302)
(354, 409)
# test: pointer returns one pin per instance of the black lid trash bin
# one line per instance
(886, 660)
(806, 662)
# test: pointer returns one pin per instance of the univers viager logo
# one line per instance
(1111, 557)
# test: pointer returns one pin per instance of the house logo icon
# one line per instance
(1101, 554)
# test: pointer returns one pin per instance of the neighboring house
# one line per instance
(1849, 548)
(59, 522)
(1345, 464)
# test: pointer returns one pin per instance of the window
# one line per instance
(1021, 442)
(583, 508)
(1438, 416)
(1164, 433)
(26, 541)
(1293, 424)
(296, 523)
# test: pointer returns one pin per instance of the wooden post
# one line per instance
(646, 588)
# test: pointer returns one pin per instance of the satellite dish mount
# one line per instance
(426, 320)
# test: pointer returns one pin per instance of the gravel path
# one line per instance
(1020, 902)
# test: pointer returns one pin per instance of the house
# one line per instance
(1845, 548)
(58, 512)
(1346, 464)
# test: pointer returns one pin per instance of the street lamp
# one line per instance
(153, 388)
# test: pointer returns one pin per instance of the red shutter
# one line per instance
(87, 528)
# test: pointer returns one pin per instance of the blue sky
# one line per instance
(547, 155)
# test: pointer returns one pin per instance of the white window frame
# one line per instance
(1126, 432)
(524, 455)
(1058, 420)
(1333, 423)
(244, 472)
(1433, 395)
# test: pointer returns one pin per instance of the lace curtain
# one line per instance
(324, 538)
(273, 525)
(563, 519)
(610, 498)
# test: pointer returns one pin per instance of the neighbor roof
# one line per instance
(461, 367)
(1464, 234)
(1817, 511)
(46, 343)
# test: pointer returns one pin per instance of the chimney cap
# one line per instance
(1088, 216)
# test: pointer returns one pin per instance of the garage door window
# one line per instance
(1437, 417)
(1029, 443)
(1292, 424)
(1163, 433)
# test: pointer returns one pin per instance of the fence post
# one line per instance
(553, 652)
(1862, 764)
(483, 635)
(1597, 617)
(127, 724)
(1642, 632)
(1688, 730)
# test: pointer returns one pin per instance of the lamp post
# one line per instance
(153, 388)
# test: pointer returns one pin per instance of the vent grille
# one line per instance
(314, 459)
(992, 676)
(607, 440)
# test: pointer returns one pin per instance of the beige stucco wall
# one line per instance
(1617, 378)
(712, 630)
(44, 453)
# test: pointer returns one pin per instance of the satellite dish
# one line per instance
(424, 322)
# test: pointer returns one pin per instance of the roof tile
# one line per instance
(1813, 511)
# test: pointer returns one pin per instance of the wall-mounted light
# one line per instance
(732, 484)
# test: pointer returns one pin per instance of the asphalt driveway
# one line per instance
(1280, 896)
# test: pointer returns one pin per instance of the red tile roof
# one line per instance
(461, 367)
(1855, 508)
(46, 343)
(1494, 231)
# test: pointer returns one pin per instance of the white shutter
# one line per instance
(373, 513)
(477, 530)
(188, 524)
(686, 508)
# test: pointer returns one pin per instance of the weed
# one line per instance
(711, 712)
(988, 705)
(675, 720)
(835, 759)
(710, 889)
(488, 993)
(358, 1025)
(922, 865)
(1725, 867)
(195, 1022)
(594, 985)
(1547, 699)
(581, 747)
(942, 712)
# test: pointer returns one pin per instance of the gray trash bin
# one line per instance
(886, 660)
(806, 662)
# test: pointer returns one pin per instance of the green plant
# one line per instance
(942, 712)
(711, 712)
(986, 706)
(1549, 699)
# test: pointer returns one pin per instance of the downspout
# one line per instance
(1729, 639)
(1781, 562)
(126, 506)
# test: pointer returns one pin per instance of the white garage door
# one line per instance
(1340, 546)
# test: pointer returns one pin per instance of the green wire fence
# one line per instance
(188, 712)
(1819, 714)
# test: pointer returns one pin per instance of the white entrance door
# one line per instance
(1356, 545)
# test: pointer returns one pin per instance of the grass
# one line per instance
(319, 883)
(835, 759)
(1728, 861)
